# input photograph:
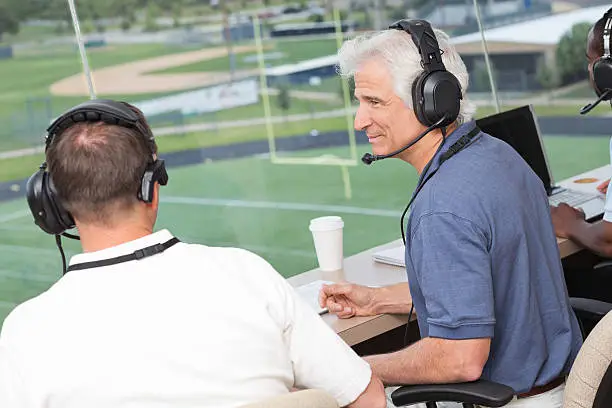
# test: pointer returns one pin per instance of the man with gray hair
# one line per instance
(484, 271)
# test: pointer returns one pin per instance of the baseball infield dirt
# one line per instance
(132, 78)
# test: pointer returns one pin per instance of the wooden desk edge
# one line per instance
(372, 327)
(567, 247)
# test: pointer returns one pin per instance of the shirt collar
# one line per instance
(123, 249)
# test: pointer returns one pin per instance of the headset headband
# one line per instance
(606, 36)
(424, 38)
(100, 110)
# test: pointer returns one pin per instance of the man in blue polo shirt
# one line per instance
(483, 265)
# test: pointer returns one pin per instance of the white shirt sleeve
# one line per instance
(608, 205)
(12, 391)
(320, 358)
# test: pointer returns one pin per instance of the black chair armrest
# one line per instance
(590, 308)
(604, 265)
(481, 392)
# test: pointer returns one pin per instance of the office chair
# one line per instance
(481, 392)
(593, 282)
(589, 383)
(590, 378)
(298, 399)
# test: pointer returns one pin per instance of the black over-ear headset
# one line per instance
(602, 67)
(48, 212)
(436, 93)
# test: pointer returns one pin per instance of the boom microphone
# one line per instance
(587, 108)
(369, 158)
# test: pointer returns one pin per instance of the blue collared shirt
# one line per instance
(483, 262)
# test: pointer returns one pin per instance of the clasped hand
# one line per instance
(347, 299)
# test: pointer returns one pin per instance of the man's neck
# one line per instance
(96, 237)
(422, 152)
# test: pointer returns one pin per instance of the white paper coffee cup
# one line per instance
(327, 235)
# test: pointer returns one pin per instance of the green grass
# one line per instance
(19, 168)
(245, 134)
(31, 262)
(582, 91)
(33, 33)
(22, 167)
(548, 110)
(29, 76)
(30, 73)
(293, 51)
(257, 110)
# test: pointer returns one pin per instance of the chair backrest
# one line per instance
(298, 399)
(590, 380)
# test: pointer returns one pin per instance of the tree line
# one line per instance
(15, 12)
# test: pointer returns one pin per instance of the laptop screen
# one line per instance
(518, 128)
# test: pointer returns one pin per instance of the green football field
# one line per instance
(27, 104)
(260, 206)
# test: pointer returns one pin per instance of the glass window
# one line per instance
(254, 123)
(38, 59)
(537, 53)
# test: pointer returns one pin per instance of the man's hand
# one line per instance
(603, 187)
(347, 299)
(564, 218)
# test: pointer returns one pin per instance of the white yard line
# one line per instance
(219, 202)
(30, 249)
(7, 305)
(37, 277)
(13, 216)
(20, 228)
(22, 152)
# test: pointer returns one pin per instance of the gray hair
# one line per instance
(397, 50)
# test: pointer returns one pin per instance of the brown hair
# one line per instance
(97, 168)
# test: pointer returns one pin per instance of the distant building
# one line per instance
(460, 14)
(298, 29)
(516, 49)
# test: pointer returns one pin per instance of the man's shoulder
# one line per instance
(229, 253)
(487, 178)
(486, 150)
(238, 260)
(487, 164)
(27, 314)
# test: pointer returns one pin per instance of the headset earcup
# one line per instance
(155, 172)
(418, 100)
(442, 97)
(34, 192)
(65, 219)
(48, 214)
(602, 76)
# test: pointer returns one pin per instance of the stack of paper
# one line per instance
(392, 256)
(310, 293)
